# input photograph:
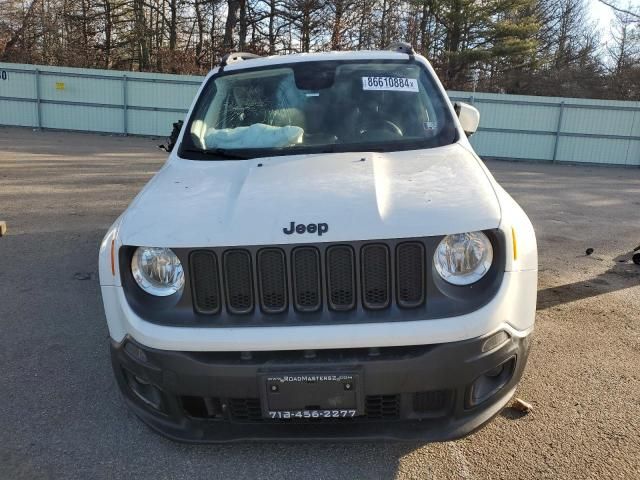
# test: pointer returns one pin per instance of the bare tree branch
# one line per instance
(618, 9)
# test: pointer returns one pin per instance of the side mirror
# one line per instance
(469, 117)
(173, 138)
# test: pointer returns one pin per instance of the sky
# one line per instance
(602, 15)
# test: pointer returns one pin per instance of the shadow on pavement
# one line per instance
(511, 413)
(622, 275)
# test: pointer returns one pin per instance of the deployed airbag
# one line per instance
(257, 135)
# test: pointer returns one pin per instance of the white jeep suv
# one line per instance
(323, 254)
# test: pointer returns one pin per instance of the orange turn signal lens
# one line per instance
(113, 257)
(515, 243)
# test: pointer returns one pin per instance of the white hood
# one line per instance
(249, 202)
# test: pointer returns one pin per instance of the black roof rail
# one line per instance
(233, 57)
(401, 47)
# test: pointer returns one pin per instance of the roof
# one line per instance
(316, 57)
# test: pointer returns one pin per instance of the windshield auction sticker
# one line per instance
(395, 84)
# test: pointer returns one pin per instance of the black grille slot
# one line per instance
(428, 402)
(206, 283)
(201, 407)
(375, 276)
(238, 280)
(245, 409)
(410, 274)
(341, 282)
(382, 406)
(272, 275)
(306, 278)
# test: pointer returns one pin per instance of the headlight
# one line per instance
(463, 258)
(158, 271)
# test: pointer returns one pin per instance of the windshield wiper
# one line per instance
(223, 153)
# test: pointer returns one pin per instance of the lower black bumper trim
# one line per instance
(216, 379)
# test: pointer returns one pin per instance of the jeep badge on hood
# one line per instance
(318, 228)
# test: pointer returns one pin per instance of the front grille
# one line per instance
(382, 406)
(307, 279)
(376, 407)
(431, 401)
(430, 404)
(245, 409)
(202, 407)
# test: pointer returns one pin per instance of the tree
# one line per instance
(539, 47)
(624, 52)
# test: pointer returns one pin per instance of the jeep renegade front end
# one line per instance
(323, 254)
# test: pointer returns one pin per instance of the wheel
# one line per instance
(636, 258)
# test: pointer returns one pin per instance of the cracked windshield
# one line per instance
(320, 107)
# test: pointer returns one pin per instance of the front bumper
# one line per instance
(421, 393)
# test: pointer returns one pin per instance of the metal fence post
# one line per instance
(558, 130)
(124, 106)
(38, 112)
(628, 160)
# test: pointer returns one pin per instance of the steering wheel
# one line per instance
(381, 125)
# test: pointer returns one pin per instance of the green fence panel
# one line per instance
(511, 126)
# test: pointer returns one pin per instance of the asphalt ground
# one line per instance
(61, 415)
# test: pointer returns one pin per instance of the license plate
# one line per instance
(300, 396)
(293, 414)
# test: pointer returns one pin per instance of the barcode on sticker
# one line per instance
(396, 84)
